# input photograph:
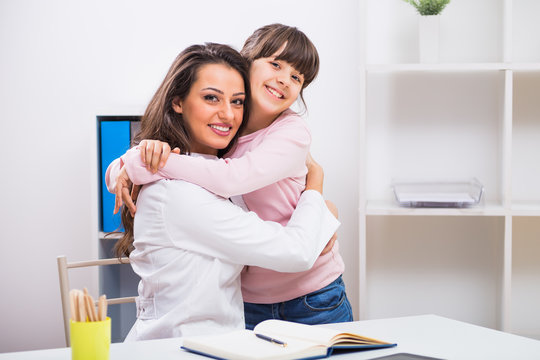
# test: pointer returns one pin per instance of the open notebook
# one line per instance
(279, 340)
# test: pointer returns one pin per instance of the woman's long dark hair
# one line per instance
(161, 122)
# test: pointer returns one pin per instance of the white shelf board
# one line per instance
(526, 66)
(526, 208)
(392, 208)
(452, 67)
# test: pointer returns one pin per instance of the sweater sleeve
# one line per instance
(112, 173)
(281, 154)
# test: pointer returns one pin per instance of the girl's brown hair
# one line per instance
(299, 51)
(161, 122)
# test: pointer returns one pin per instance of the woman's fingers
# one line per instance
(329, 245)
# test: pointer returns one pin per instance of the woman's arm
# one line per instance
(281, 154)
(215, 227)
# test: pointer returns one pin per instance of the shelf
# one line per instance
(474, 113)
(411, 138)
(525, 46)
(526, 208)
(525, 135)
(391, 208)
(445, 67)
(452, 67)
(525, 271)
(526, 66)
(443, 265)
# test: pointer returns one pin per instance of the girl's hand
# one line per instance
(125, 191)
(315, 175)
(155, 153)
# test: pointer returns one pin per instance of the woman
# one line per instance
(267, 167)
(189, 245)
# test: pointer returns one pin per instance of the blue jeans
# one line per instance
(326, 305)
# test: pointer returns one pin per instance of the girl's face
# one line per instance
(213, 109)
(275, 84)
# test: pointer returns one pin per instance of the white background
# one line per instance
(62, 62)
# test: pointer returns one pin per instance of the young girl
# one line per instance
(189, 245)
(267, 167)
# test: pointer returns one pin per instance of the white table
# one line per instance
(429, 335)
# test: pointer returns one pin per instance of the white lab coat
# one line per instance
(191, 245)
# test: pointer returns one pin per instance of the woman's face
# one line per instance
(275, 84)
(213, 108)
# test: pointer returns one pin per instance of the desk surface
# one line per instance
(429, 335)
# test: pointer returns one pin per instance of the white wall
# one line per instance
(62, 62)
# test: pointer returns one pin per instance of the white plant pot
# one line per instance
(428, 38)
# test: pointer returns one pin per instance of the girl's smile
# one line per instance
(274, 92)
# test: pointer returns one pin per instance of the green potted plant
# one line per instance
(428, 27)
(428, 7)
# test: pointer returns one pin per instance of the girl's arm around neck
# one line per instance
(281, 154)
(112, 173)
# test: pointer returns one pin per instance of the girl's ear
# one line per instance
(177, 105)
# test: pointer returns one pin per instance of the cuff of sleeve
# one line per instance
(329, 223)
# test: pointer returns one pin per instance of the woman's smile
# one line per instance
(221, 129)
(213, 108)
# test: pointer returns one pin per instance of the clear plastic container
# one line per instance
(460, 193)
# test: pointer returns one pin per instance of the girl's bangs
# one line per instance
(302, 56)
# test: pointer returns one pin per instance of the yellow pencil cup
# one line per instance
(90, 340)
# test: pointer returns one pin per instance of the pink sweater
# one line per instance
(268, 168)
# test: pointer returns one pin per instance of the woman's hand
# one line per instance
(315, 175)
(126, 191)
(154, 153)
(314, 181)
(333, 209)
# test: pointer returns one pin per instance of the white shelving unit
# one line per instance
(475, 113)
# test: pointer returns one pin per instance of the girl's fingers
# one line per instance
(164, 155)
(142, 150)
(123, 185)
(132, 199)
(117, 202)
(154, 154)
(159, 148)
(149, 153)
(126, 196)
(118, 193)
(135, 192)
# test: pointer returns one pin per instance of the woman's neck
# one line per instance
(258, 120)
(204, 151)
